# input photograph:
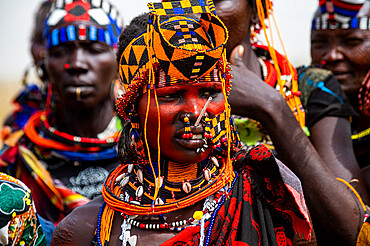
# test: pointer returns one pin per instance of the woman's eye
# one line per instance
(352, 41)
(213, 93)
(169, 97)
(57, 52)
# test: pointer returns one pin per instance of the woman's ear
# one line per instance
(254, 18)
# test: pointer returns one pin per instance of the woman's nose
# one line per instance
(334, 54)
(77, 61)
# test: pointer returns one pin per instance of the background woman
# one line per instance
(67, 150)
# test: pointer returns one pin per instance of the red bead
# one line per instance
(142, 226)
(162, 226)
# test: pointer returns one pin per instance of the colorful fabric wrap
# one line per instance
(175, 49)
(19, 224)
(265, 201)
(340, 14)
(67, 17)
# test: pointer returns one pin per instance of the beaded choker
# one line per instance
(62, 141)
(70, 139)
(174, 195)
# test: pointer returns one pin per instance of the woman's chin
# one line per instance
(190, 156)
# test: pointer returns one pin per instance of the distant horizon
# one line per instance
(293, 17)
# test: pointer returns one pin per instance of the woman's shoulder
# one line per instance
(79, 226)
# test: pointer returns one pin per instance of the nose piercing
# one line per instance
(203, 110)
(187, 133)
(66, 66)
(78, 93)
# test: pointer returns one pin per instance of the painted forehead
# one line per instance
(341, 14)
(70, 20)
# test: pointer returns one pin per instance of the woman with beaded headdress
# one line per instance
(32, 96)
(67, 150)
(183, 178)
(253, 63)
(340, 42)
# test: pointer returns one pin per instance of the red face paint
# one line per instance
(174, 103)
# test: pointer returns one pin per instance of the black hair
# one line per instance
(137, 26)
(126, 150)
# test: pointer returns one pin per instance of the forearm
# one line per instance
(335, 212)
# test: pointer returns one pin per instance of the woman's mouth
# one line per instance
(194, 143)
(79, 91)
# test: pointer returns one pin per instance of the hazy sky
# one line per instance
(16, 17)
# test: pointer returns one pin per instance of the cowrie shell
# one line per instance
(124, 181)
(215, 161)
(130, 167)
(186, 186)
(120, 177)
(140, 175)
(207, 174)
(159, 181)
(139, 192)
(158, 201)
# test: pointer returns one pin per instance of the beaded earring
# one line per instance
(187, 133)
(363, 95)
(207, 128)
(137, 144)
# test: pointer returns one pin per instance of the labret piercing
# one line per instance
(78, 93)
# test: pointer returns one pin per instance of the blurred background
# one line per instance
(16, 18)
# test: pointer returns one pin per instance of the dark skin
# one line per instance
(78, 228)
(174, 103)
(92, 67)
(322, 191)
(346, 53)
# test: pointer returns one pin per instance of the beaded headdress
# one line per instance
(340, 14)
(185, 49)
(106, 27)
(184, 43)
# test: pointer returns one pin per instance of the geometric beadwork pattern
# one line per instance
(341, 14)
(103, 19)
(185, 48)
(179, 7)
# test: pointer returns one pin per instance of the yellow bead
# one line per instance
(198, 215)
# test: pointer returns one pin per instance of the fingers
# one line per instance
(236, 57)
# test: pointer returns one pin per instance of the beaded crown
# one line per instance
(103, 22)
(185, 49)
(340, 14)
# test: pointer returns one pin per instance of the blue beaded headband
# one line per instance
(103, 22)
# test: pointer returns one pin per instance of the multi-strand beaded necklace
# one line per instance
(129, 190)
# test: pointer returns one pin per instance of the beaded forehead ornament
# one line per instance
(103, 22)
(175, 49)
(340, 14)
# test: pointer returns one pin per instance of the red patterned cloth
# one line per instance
(266, 206)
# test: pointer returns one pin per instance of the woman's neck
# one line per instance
(85, 123)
